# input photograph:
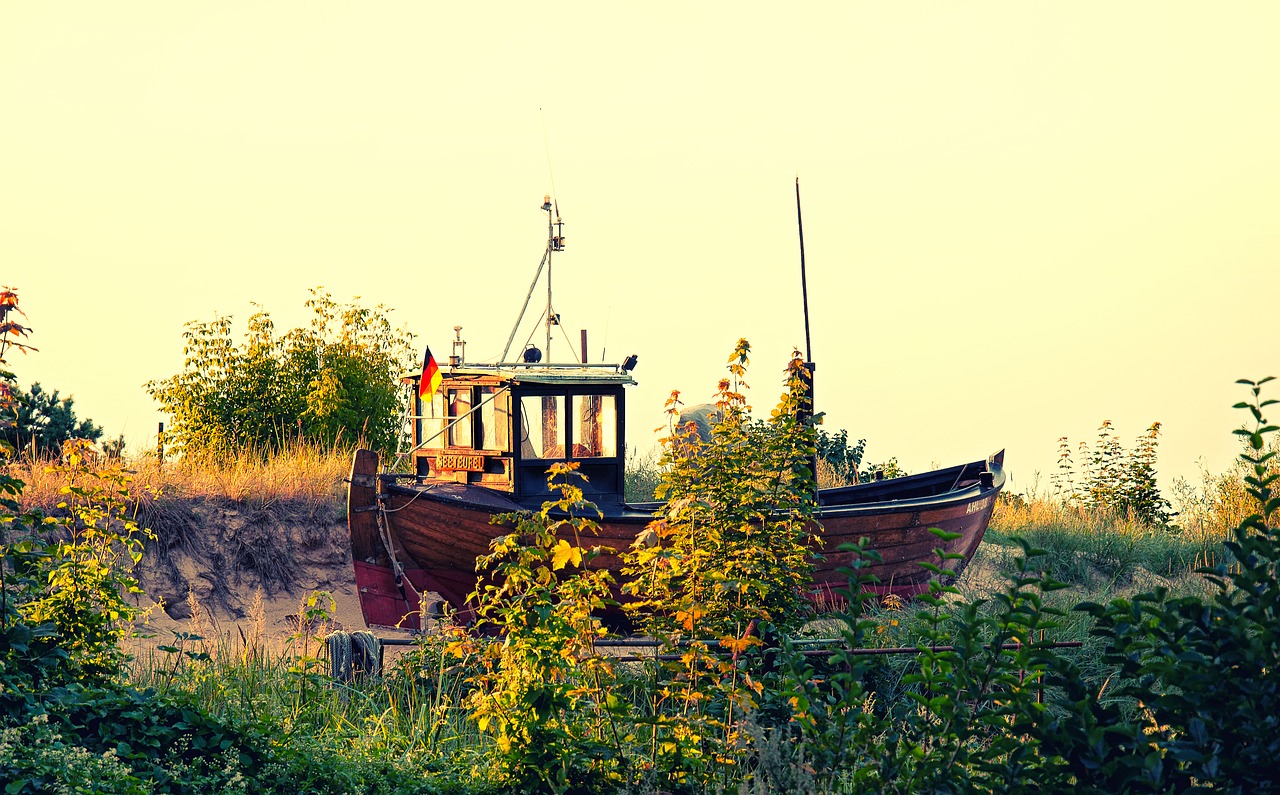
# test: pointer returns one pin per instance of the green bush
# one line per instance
(1115, 480)
(730, 546)
(335, 382)
(1199, 676)
(539, 691)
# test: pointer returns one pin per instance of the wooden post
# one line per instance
(584, 346)
(160, 443)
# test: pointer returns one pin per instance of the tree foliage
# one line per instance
(44, 420)
(334, 382)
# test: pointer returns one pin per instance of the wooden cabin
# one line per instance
(502, 427)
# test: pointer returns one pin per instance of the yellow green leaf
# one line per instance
(565, 553)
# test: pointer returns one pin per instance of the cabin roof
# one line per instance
(558, 374)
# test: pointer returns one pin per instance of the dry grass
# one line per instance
(1104, 553)
(303, 476)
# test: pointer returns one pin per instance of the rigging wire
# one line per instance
(529, 339)
(565, 332)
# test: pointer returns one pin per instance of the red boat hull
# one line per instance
(408, 540)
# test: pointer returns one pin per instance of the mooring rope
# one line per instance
(340, 656)
(354, 653)
(371, 651)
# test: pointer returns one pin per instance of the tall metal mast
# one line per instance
(806, 411)
(804, 287)
(555, 242)
(546, 205)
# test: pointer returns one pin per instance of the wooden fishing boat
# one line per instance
(411, 535)
(482, 444)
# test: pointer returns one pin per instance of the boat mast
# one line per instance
(807, 406)
(804, 287)
(546, 206)
(555, 242)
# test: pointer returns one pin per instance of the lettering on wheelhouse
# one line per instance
(980, 505)
(455, 462)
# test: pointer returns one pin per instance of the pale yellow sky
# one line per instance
(1020, 218)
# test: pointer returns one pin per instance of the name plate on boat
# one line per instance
(975, 507)
(468, 463)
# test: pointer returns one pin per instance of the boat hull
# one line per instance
(410, 538)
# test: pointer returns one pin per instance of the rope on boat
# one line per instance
(353, 654)
(383, 509)
(403, 583)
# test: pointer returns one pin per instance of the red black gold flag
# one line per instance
(431, 377)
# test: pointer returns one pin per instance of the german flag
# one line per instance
(431, 377)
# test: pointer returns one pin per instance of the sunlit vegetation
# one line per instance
(1174, 688)
(43, 421)
(335, 382)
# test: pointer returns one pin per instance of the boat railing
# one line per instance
(550, 365)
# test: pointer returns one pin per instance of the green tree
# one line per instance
(1141, 494)
(334, 382)
(843, 458)
(44, 420)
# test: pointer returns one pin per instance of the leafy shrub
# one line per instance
(838, 457)
(86, 569)
(336, 381)
(726, 559)
(540, 691)
(1201, 674)
(1115, 480)
(730, 546)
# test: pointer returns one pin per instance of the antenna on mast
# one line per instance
(555, 242)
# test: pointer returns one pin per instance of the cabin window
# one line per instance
(495, 418)
(459, 404)
(595, 429)
(431, 420)
(541, 430)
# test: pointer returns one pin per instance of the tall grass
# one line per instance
(1102, 552)
(407, 722)
(1105, 553)
(302, 474)
(1218, 502)
(302, 484)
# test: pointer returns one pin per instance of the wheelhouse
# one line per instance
(502, 427)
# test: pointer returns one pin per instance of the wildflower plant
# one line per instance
(723, 567)
(540, 691)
